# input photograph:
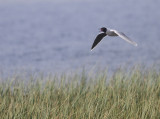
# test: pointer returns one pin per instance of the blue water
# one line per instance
(56, 36)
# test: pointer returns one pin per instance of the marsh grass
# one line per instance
(124, 95)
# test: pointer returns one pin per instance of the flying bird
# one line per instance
(111, 32)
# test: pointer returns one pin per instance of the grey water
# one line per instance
(56, 36)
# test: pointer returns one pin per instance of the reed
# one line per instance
(124, 95)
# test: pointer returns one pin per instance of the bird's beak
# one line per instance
(100, 30)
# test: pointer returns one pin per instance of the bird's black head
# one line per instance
(103, 29)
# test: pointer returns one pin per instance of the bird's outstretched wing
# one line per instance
(124, 37)
(98, 39)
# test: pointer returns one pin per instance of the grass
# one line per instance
(134, 94)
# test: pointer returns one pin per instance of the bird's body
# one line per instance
(110, 32)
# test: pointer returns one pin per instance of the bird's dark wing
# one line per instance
(98, 39)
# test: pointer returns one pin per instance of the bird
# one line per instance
(111, 32)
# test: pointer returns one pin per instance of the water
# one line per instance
(56, 36)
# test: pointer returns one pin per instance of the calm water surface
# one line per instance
(56, 36)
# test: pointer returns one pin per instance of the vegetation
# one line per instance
(134, 94)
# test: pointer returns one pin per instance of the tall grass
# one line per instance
(124, 95)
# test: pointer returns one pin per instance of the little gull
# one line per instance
(111, 32)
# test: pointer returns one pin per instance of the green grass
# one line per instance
(134, 94)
